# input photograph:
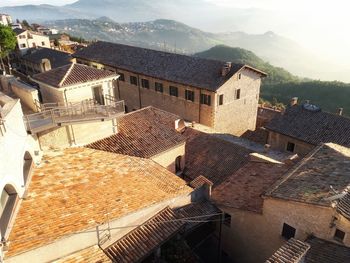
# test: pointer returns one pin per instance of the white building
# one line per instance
(28, 39)
(18, 152)
(5, 20)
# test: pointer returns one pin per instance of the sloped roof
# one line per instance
(291, 252)
(244, 188)
(57, 58)
(72, 74)
(19, 31)
(323, 251)
(320, 175)
(192, 71)
(313, 127)
(142, 133)
(211, 157)
(343, 205)
(71, 192)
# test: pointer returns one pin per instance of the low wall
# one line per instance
(76, 134)
(27, 94)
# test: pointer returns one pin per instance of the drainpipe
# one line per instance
(200, 105)
(139, 86)
(65, 97)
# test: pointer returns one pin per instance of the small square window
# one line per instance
(227, 219)
(339, 235)
(288, 231)
(290, 147)
(145, 83)
(189, 95)
(238, 94)
(221, 99)
(206, 99)
(23, 45)
(158, 87)
(121, 77)
(43, 43)
(133, 80)
(173, 91)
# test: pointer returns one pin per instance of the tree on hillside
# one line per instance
(7, 43)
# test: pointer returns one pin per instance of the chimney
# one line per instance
(340, 111)
(307, 102)
(45, 64)
(293, 101)
(226, 68)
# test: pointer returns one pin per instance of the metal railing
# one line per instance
(52, 116)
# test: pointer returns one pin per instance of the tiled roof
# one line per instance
(142, 241)
(143, 133)
(57, 58)
(212, 157)
(192, 71)
(343, 205)
(313, 127)
(323, 251)
(88, 255)
(71, 75)
(19, 31)
(243, 189)
(291, 252)
(200, 181)
(72, 191)
(320, 175)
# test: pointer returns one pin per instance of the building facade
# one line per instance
(220, 95)
(5, 20)
(27, 39)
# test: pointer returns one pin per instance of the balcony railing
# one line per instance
(53, 115)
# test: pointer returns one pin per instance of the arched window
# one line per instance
(27, 165)
(8, 202)
(178, 168)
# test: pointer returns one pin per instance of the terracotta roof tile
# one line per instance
(193, 71)
(214, 158)
(343, 205)
(72, 74)
(320, 175)
(323, 251)
(62, 195)
(313, 127)
(244, 189)
(143, 240)
(143, 133)
(292, 251)
(200, 181)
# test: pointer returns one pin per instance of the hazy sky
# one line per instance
(320, 25)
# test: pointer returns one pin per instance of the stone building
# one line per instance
(148, 133)
(221, 95)
(302, 127)
(269, 203)
(18, 153)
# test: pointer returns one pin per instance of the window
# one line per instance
(339, 235)
(173, 91)
(221, 99)
(238, 94)
(239, 76)
(133, 80)
(290, 147)
(43, 43)
(23, 45)
(159, 87)
(227, 219)
(189, 95)
(145, 83)
(288, 231)
(94, 66)
(206, 99)
(121, 77)
(22, 36)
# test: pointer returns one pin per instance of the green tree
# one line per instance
(7, 43)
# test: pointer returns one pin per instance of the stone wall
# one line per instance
(236, 116)
(27, 94)
(265, 115)
(279, 142)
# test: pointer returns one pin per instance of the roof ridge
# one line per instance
(66, 75)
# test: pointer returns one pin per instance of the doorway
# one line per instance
(98, 95)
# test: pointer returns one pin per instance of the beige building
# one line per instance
(221, 95)
(302, 127)
(280, 202)
(27, 39)
(5, 20)
(149, 133)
